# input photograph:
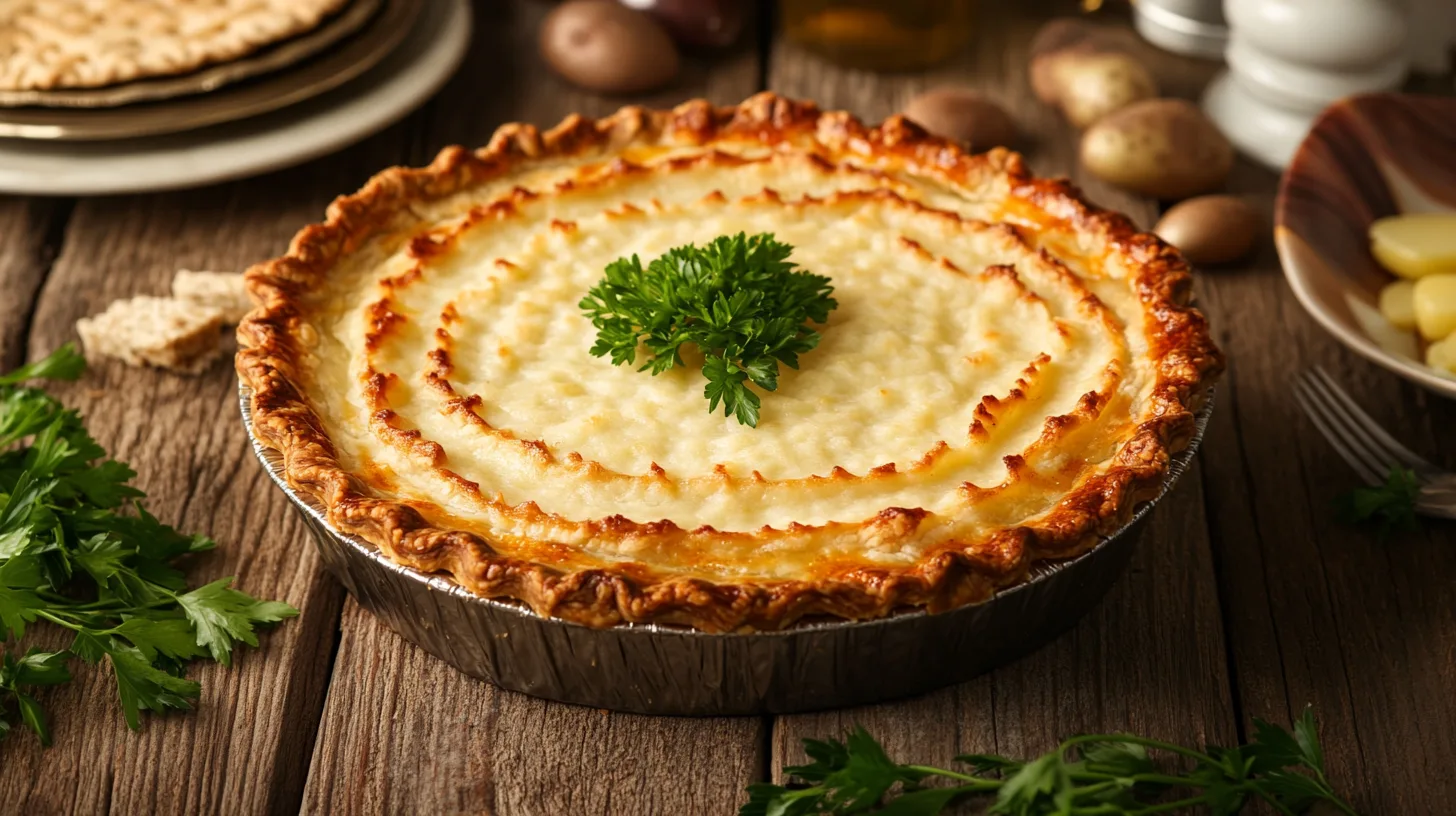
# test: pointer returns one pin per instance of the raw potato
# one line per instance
(1164, 148)
(1415, 245)
(1398, 304)
(1435, 302)
(1092, 85)
(604, 46)
(962, 115)
(1442, 356)
(1211, 229)
(1064, 35)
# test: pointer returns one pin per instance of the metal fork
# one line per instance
(1367, 447)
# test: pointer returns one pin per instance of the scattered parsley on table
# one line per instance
(1090, 775)
(78, 551)
(1390, 507)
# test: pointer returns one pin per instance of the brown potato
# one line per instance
(1061, 33)
(1064, 35)
(1086, 70)
(1211, 229)
(1092, 85)
(1163, 148)
(603, 46)
(962, 115)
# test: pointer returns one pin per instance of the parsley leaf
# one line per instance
(171, 637)
(222, 616)
(78, 551)
(17, 608)
(739, 300)
(65, 363)
(1391, 506)
(144, 687)
(35, 669)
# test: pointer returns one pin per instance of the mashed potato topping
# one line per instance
(996, 359)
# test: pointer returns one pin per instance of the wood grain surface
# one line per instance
(30, 233)
(247, 746)
(1245, 598)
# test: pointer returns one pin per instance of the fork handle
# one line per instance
(1438, 497)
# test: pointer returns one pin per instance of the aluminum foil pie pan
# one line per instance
(655, 669)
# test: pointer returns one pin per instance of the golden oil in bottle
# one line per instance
(879, 35)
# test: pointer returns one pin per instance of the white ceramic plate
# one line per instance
(1366, 157)
(382, 96)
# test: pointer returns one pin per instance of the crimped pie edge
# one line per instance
(269, 355)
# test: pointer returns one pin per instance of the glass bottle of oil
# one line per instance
(879, 35)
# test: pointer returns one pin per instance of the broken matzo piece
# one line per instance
(223, 291)
(162, 332)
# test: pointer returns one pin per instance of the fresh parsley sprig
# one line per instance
(1090, 775)
(79, 552)
(740, 300)
(1391, 507)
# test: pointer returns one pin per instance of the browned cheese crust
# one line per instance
(273, 363)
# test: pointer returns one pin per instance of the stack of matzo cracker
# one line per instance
(55, 44)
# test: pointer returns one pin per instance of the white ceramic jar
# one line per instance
(1289, 59)
(1193, 27)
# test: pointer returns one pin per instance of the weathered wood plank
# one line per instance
(247, 747)
(402, 731)
(1319, 613)
(1151, 657)
(30, 229)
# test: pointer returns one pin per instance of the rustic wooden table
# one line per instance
(1246, 599)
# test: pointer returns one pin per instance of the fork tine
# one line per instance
(1377, 437)
(1317, 413)
(1373, 455)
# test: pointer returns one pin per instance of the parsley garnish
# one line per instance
(78, 551)
(1086, 775)
(1391, 506)
(739, 300)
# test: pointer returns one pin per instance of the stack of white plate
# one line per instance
(361, 71)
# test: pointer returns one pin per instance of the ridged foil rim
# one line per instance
(272, 463)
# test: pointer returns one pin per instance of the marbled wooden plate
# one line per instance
(1366, 157)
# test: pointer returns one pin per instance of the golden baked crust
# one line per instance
(1080, 476)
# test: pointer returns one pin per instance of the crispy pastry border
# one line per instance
(269, 362)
